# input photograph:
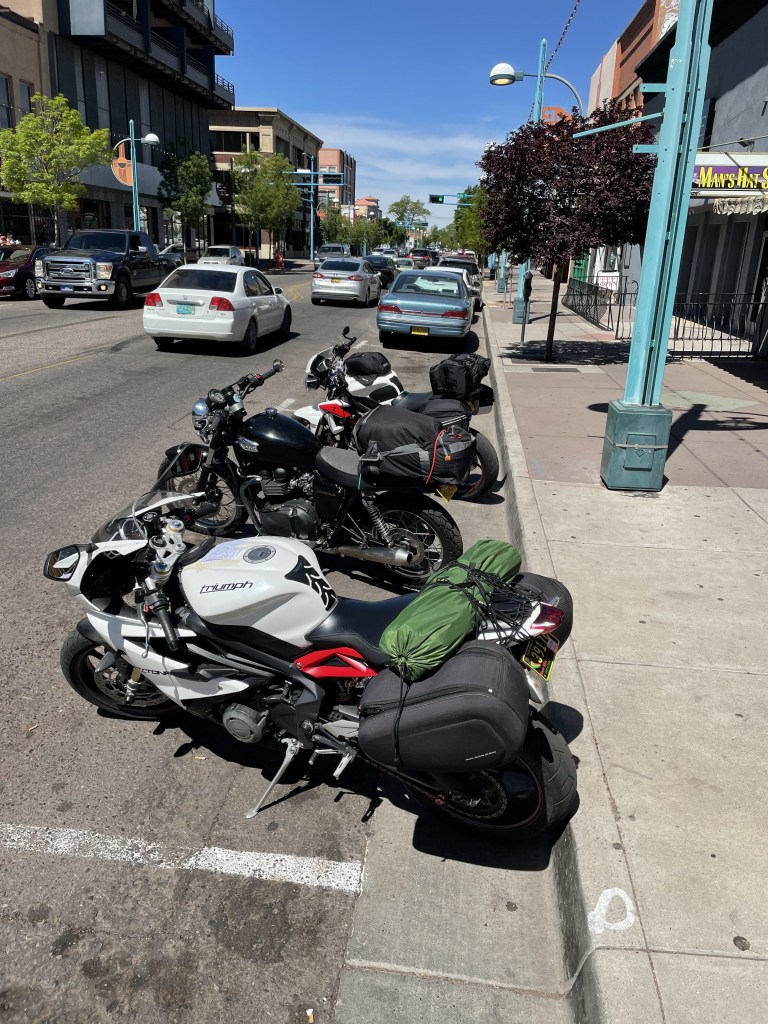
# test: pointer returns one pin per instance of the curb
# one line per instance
(582, 988)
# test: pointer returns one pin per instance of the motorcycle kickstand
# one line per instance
(292, 747)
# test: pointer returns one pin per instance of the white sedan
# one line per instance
(227, 254)
(216, 304)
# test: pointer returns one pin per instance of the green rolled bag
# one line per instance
(448, 610)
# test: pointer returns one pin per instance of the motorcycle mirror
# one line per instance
(345, 332)
(278, 366)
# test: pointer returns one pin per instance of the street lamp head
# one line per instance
(504, 74)
(151, 140)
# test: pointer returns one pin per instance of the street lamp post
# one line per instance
(149, 140)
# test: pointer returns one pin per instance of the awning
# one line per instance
(743, 204)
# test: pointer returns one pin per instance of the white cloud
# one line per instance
(394, 160)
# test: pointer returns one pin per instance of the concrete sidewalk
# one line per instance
(663, 690)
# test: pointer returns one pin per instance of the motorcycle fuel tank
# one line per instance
(278, 440)
(272, 584)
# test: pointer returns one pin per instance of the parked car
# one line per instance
(404, 263)
(223, 254)
(17, 269)
(180, 253)
(463, 273)
(100, 263)
(385, 268)
(425, 302)
(420, 257)
(216, 303)
(331, 249)
(350, 279)
(475, 276)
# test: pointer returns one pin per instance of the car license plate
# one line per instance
(540, 655)
(67, 288)
(182, 308)
(335, 280)
(447, 491)
(419, 330)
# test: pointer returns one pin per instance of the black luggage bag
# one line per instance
(399, 448)
(471, 713)
(459, 376)
(367, 366)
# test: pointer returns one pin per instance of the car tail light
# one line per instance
(383, 308)
(456, 314)
(153, 299)
(318, 275)
(221, 304)
(355, 277)
(548, 619)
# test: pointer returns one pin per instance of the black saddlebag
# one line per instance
(470, 714)
(459, 376)
(403, 449)
(448, 412)
(367, 366)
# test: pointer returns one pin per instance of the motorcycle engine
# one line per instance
(296, 518)
(247, 724)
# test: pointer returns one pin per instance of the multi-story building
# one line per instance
(337, 186)
(367, 208)
(267, 130)
(150, 61)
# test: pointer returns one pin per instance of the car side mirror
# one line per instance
(278, 291)
(142, 248)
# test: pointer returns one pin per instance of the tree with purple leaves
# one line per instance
(551, 198)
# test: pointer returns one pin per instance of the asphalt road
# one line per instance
(113, 905)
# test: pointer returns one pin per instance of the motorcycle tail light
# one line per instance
(60, 565)
(548, 619)
(384, 308)
(154, 299)
(221, 304)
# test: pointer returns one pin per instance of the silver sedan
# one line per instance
(351, 279)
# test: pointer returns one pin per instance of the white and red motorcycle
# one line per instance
(250, 635)
(358, 383)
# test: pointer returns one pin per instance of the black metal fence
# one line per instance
(704, 324)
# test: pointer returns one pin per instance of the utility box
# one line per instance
(635, 447)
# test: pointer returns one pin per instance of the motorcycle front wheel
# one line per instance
(520, 800)
(79, 659)
(229, 513)
(423, 524)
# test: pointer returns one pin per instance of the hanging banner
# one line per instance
(721, 175)
(121, 167)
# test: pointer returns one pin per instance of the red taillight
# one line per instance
(389, 309)
(456, 314)
(153, 299)
(221, 304)
(355, 277)
(318, 275)
(548, 619)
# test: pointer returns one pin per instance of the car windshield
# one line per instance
(378, 261)
(328, 249)
(127, 524)
(216, 250)
(472, 268)
(15, 255)
(201, 280)
(349, 265)
(97, 240)
(432, 284)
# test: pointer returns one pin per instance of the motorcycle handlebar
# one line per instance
(254, 380)
(171, 636)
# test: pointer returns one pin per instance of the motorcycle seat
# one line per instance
(412, 400)
(359, 624)
(341, 465)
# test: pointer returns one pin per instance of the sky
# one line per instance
(403, 86)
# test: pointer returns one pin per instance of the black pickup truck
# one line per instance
(100, 263)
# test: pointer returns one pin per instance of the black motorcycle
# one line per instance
(289, 485)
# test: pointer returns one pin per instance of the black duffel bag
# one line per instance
(399, 448)
(459, 376)
(367, 366)
(471, 713)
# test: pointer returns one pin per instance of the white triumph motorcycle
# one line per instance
(251, 636)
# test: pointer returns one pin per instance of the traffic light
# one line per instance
(437, 199)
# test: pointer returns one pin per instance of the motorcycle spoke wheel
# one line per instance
(107, 690)
(428, 531)
(227, 516)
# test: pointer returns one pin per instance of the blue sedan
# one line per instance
(425, 303)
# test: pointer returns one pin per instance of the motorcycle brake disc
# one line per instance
(404, 539)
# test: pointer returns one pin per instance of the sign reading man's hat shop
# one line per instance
(738, 182)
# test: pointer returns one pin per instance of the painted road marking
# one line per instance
(597, 919)
(342, 876)
(287, 403)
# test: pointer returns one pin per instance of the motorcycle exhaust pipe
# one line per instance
(385, 556)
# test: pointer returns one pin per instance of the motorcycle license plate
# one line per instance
(183, 308)
(419, 330)
(473, 406)
(447, 491)
(540, 655)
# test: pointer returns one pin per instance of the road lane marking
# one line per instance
(314, 872)
(50, 366)
(287, 403)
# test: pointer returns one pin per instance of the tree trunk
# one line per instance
(559, 275)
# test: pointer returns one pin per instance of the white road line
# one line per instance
(287, 403)
(343, 876)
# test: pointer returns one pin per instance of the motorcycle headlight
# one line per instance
(103, 271)
(200, 408)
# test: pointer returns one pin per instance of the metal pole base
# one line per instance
(635, 447)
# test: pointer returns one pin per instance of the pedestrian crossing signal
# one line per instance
(437, 199)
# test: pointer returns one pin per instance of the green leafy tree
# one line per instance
(468, 221)
(194, 181)
(406, 211)
(334, 227)
(393, 233)
(265, 195)
(168, 190)
(368, 233)
(45, 154)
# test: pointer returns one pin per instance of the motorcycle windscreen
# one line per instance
(130, 524)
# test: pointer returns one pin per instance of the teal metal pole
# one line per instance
(134, 180)
(520, 307)
(312, 208)
(233, 227)
(687, 78)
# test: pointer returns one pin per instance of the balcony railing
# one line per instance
(222, 83)
(222, 26)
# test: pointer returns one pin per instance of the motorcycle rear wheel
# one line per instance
(430, 527)
(522, 799)
(79, 658)
(484, 472)
(230, 513)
